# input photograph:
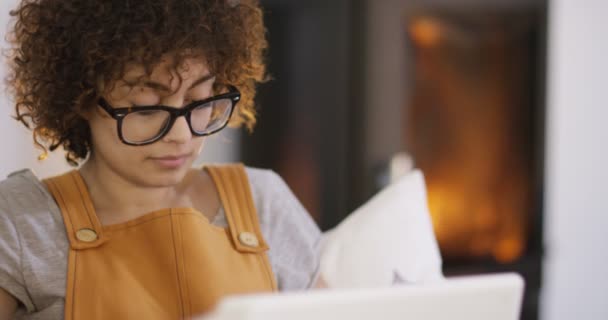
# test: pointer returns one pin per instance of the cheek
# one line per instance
(103, 130)
(106, 141)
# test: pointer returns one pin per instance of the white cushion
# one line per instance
(387, 240)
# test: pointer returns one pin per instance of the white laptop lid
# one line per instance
(483, 297)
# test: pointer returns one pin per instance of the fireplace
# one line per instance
(473, 124)
(470, 128)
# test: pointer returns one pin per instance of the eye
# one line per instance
(148, 113)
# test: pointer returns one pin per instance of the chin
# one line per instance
(165, 177)
(169, 179)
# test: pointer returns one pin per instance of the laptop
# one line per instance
(479, 297)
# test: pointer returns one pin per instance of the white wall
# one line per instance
(17, 150)
(576, 280)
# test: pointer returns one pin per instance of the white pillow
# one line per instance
(387, 240)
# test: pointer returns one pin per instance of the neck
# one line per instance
(117, 198)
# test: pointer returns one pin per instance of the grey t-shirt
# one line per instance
(34, 245)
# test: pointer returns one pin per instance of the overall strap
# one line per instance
(235, 194)
(81, 224)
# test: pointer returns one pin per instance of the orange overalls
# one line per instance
(167, 264)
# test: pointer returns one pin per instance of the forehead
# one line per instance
(167, 71)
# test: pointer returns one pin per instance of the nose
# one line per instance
(180, 131)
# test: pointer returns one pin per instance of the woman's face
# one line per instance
(166, 161)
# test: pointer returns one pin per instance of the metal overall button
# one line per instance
(86, 235)
(249, 239)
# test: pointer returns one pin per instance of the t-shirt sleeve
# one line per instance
(11, 276)
(291, 233)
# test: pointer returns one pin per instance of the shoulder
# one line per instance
(22, 192)
(261, 175)
(31, 211)
(292, 234)
(26, 223)
(265, 182)
(273, 197)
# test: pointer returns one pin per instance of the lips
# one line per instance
(169, 158)
(171, 161)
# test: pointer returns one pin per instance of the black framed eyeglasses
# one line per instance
(141, 125)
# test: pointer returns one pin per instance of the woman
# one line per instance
(130, 90)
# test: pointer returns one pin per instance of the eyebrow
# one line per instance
(159, 86)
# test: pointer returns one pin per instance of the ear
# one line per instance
(92, 112)
(88, 113)
(88, 101)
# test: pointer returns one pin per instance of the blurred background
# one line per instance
(499, 102)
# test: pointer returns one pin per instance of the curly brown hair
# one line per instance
(64, 51)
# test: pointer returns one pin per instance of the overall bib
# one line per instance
(167, 264)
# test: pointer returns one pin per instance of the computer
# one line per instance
(478, 297)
